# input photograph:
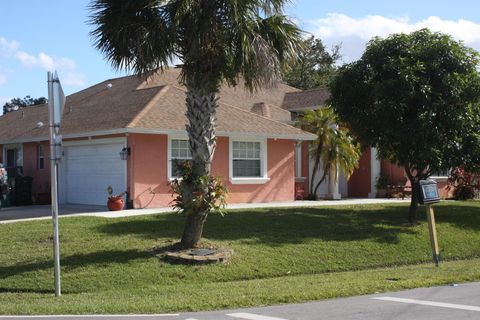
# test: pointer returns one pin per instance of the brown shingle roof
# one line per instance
(237, 96)
(168, 114)
(130, 104)
(306, 100)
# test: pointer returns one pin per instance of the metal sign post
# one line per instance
(428, 195)
(433, 234)
(56, 102)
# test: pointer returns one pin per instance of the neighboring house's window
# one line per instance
(41, 156)
(441, 174)
(248, 162)
(179, 152)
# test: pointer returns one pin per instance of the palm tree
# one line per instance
(334, 149)
(217, 42)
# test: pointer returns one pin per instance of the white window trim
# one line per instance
(263, 163)
(41, 157)
(169, 153)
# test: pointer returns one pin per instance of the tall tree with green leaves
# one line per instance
(334, 149)
(416, 97)
(314, 67)
(217, 42)
(17, 103)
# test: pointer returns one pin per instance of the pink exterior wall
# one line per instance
(147, 169)
(41, 177)
(359, 184)
(281, 171)
(394, 173)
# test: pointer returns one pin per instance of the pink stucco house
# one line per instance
(255, 151)
(362, 183)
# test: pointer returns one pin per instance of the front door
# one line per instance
(11, 158)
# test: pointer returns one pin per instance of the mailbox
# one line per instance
(428, 192)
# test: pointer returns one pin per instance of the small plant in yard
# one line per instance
(192, 195)
(115, 201)
(381, 185)
(465, 185)
(382, 182)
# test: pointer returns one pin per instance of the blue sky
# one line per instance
(36, 36)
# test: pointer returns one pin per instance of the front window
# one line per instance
(179, 152)
(41, 156)
(246, 158)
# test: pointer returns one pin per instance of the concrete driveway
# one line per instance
(38, 211)
(16, 214)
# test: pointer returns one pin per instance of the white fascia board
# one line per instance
(253, 135)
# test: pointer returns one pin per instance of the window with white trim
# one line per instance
(41, 156)
(179, 152)
(441, 173)
(246, 159)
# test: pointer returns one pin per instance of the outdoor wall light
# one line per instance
(124, 153)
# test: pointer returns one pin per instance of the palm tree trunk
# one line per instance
(201, 113)
(192, 232)
(326, 170)
(316, 165)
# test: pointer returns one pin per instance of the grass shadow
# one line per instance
(277, 226)
(76, 261)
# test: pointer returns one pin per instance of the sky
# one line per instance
(40, 36)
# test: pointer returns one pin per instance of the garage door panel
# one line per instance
(90, 169)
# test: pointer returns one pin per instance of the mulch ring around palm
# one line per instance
(204, 253)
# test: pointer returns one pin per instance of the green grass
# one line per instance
(280, 256)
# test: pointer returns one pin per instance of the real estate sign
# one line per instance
(428, 192)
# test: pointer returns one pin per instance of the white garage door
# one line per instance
(90, 169)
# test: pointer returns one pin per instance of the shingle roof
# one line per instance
(238, 96)
(168, 114)
(306, 100)
(130, 104)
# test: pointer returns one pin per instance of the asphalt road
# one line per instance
(460, 302)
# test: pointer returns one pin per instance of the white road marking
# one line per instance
(430, 303)
(251, 316)
(93, 316)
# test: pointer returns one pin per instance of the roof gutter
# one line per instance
(304, 137)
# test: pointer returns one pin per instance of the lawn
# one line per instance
(280, 255)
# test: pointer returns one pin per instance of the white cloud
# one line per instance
(26, 59)
(8, 46)
(354, 33)
(66, 67)
(73, 79)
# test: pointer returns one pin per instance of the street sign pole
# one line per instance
(54, 128)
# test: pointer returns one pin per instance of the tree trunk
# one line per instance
(201, 115)
(192, 233)
(412, 211)
(325, 172)
(314, 171)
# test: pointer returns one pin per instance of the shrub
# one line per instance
(465, 184)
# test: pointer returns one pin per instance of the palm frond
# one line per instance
(133, 35)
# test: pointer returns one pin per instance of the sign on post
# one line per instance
(56, 104)
(428, 192)
(429, 195)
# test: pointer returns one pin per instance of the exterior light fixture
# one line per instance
(124, 153)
